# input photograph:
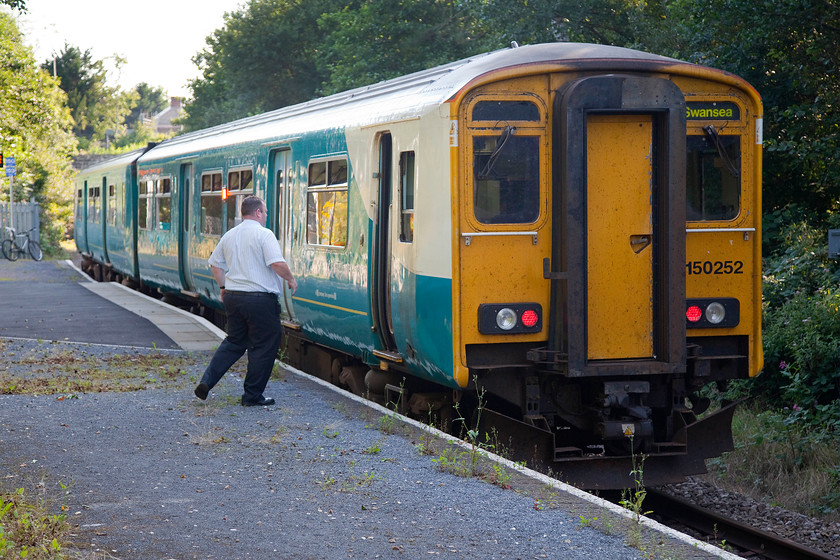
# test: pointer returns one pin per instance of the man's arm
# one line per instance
(283, 271)
(218, 274)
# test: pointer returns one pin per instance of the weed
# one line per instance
(500, 476)
(373, 449)
(587, 522)
(28, 530)
(57, 370)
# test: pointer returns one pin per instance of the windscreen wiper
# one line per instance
(715, 138)
(491, 161)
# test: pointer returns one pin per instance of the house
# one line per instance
(162, 122)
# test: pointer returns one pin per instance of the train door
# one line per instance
(103, 218)
(618, 248)
(619, 230)
(185, 226)
(283, 179)
(81, 218)
(380, 292)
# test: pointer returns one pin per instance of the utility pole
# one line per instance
(10, 173)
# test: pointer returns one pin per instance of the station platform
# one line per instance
(55, 300)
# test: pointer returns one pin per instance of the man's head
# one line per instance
(253, 208)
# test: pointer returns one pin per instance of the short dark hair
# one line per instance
(251, 204)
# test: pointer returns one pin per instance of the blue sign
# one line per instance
(10, 167)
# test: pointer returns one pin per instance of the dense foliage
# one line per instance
(276, 53)
(35, 129)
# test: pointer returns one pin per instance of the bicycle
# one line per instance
(20, 244)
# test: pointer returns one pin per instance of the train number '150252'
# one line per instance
(714, 267)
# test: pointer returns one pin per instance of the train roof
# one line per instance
(405, 97)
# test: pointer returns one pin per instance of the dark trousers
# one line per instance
(253, 326)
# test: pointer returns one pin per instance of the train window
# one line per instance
(112, 205)
(505, 111)
(240, 184)
(93, 204)
(211, 204)
(506, 188)
(163, 205)
(407, 170)
(326, 203)
(145, 207)
(713, 184)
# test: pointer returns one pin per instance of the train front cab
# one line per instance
(578, 263)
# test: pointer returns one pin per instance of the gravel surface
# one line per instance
(159, 474)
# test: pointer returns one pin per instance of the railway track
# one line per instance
(753, 543)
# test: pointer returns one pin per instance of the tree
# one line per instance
(262, 59)
(35, 128)
(98, 110)
(146, 102)
(382, 39)
(276, 53)
(19, 5)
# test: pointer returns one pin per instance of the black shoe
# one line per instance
(202, 390)
(262, 401)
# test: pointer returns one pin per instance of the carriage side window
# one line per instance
(112, 205)
(326, 203)
(145, 206)
(713, 183)
(93, 206)
(163, 194)
(240, 184)
(211, 204)
(407, 170)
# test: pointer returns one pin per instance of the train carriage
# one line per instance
(571, 231)
(105, 215)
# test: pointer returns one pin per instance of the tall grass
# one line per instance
(782, 462)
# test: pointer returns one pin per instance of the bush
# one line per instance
(802, 328)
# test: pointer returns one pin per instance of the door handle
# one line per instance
(639, 242)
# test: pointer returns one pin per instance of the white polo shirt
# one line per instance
(246, 253)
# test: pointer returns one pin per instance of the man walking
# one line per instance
(249, 268)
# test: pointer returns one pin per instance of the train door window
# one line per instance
(80, 203)
(145, 206)
(211, 203)
(506, 160)
(112, 205)
(407, 170)
(326, 203)
(713, 176)
(240, 185)
(163, 206)
(91, 214)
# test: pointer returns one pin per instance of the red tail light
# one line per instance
(693, 313)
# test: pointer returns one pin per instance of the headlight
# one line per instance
(715, 313)
(506, 319)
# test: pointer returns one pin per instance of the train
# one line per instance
(561, 242)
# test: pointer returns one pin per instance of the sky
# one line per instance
(158, 38)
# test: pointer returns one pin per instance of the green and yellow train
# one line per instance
(570, 230)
